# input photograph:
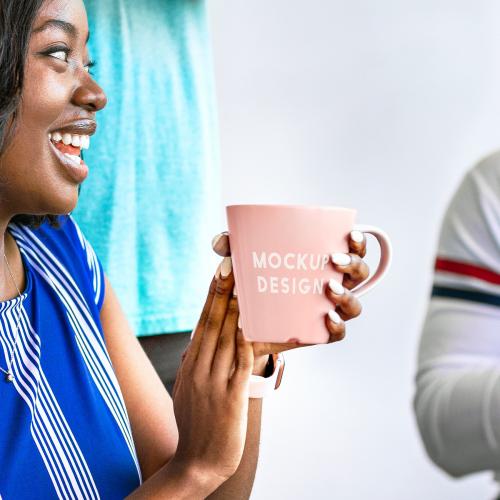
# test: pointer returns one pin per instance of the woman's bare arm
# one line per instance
(151, 414)
(148, 403)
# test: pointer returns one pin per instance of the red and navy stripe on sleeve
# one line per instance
(456, 279)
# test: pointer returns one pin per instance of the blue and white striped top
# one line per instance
(64, 429)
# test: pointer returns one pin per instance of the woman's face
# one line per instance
(39, 171)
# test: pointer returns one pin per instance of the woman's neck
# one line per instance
(13, 279)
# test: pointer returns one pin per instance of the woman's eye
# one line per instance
(60, 54)
(89, 66)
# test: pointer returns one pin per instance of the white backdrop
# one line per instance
(379, 106)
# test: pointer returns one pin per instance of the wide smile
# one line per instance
(67, 148)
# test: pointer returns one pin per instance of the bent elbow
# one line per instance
(427, 414)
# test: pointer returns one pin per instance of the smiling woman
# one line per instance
(84, 414)
(58, 97)
(76, 399)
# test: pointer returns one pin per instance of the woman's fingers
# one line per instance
(197, 336)
(216, 316)
(244, 363)
(335, 326)
(261, 348)
(220, 244)
(191, 352)
(357, 243)
(224, 357)
(354, 268)
(347, 305)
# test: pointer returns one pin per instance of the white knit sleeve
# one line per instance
(457, 400)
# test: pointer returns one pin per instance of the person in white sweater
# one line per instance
(457, 400)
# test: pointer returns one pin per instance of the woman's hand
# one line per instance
(345, 305)
(211, 390)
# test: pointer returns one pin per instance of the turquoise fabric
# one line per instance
(151, 203)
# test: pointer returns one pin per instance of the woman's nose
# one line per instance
(89, 95)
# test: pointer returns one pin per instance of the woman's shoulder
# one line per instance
(62, 250)
(485, 173)
(60, 240)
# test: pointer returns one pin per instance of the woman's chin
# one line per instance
(62, 204)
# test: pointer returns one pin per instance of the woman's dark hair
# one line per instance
(16, 23)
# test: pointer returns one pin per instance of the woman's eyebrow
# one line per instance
(68, 28)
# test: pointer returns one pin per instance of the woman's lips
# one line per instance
(69, 156)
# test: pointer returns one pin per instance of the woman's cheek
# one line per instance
(46, 94)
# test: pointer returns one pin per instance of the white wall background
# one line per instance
(380, 106)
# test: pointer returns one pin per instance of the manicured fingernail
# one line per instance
(341, 259)
(217, 272)
(239, 322)
(234, 291)
(334, 317)
(226, 267)
(335, 287)
(357, 236)
(220, 244)
(216, 239)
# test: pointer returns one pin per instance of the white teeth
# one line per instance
(75, 159)
(77, 141)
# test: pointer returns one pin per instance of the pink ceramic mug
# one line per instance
(282, 263)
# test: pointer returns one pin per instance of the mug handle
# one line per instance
(385, 258)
